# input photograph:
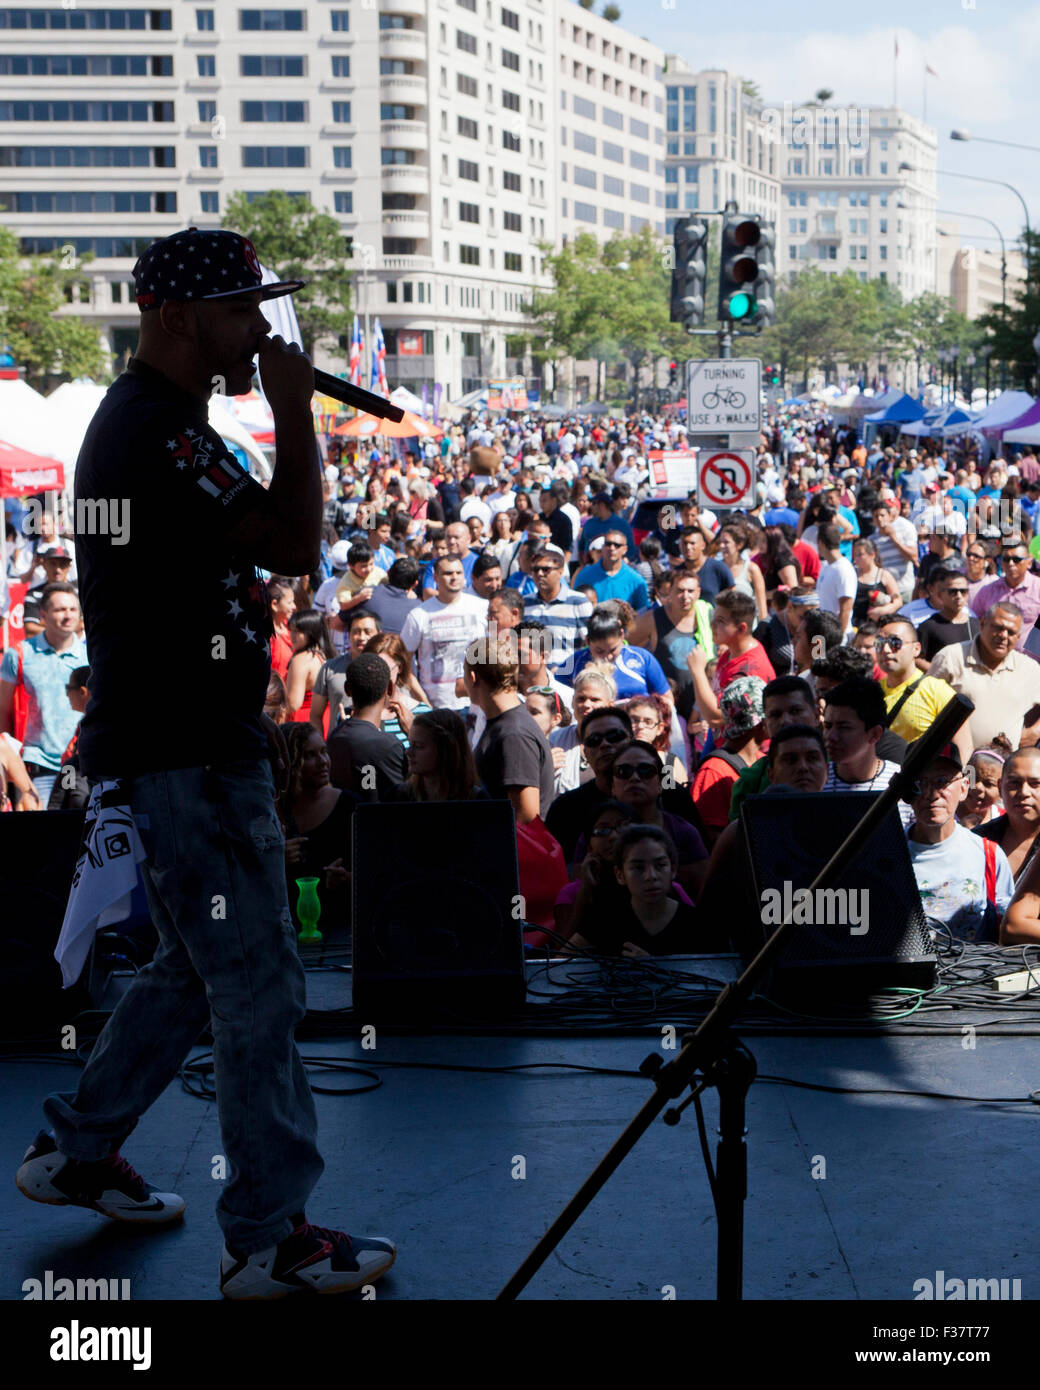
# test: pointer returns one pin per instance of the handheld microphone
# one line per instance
(355, 396)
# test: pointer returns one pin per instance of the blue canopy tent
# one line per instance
(900, 412)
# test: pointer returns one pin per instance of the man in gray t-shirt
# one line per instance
(330, 686)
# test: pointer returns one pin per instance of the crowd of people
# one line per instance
(509, 614)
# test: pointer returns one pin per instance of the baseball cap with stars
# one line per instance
(195, 264)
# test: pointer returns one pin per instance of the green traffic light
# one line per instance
(741, 306)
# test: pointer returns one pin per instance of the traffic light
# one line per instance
(673, 373)
(747, 270)
(691, 268)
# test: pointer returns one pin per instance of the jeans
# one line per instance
(215, 879)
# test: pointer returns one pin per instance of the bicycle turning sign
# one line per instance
(726, 479)
(724, 396)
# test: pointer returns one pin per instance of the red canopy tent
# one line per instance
(22, 472)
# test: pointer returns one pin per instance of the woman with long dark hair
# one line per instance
(777, 561)
(312, 648)
(316, 817)
(440, 760)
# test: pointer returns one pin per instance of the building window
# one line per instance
(510, 60)
(206, 64)
(469, 212)
(511, 19)
(272, 19)
(209, 202)
(341, 20)
(280, 112)
(584, 212)
(588, 109)
(469, 170)
(341, 112)
(883, 253)
(512, 183)
(343, 201)
(271, 65)
(340, 65)
(513, 261)
(341, 156)
(207, 156)
(469, 255)
(511, 142)
(465, 41)
(585, 177)
(275, 156)
(468, 86)
(207, 110)
(467, 128)
(586, 143)
(511, 101)
(204, 21)
(512, 222)
(391, 291)
(387, 156)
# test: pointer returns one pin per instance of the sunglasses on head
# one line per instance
(614, 736)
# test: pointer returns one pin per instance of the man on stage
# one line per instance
(200, 790)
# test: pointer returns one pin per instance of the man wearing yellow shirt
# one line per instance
(913, 701)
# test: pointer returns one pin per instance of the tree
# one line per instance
(612, 13)
(821, 97)
(1012, 330)
(47, 344)
(822, 320)
(750, 89)
(300, 243)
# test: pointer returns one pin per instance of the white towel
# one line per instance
(105, 877)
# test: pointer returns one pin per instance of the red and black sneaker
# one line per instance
(313, 1257)
(109, 1186)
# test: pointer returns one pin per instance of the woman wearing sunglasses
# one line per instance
(636, 779)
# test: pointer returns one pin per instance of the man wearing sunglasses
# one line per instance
(913, 700)
(611, 577)
(1017, 584)
(954, 622)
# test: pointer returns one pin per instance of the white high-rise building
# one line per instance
(718, 147)
(859, 193)
(608, 123)
(425, 127)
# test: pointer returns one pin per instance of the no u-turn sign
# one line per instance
(726, 479)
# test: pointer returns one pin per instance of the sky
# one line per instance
(984, 53)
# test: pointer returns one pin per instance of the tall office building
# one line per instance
(859, 194)
(718, 145)
(609, 120)
(425, 127)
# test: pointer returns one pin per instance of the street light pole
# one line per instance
(948, 212)
(987, 140)
(976, 178)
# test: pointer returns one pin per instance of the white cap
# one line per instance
(332, 473)
(338, 555)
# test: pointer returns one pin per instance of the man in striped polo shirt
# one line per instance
(563, 611)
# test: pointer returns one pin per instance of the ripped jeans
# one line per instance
(215, 880)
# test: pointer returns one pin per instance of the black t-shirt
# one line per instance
(513, 752)
(936, 633)
(891, 747)
(688, 933)
(327, 841)
(177, 624)
(354, 747)
(561, 529)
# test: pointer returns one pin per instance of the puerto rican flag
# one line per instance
(356, 348)
(379, 381)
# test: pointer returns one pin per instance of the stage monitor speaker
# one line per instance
(869, 931)
(437, 935)
(38, 854)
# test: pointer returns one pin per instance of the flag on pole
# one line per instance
(379, 381)
(930, 70)
(354, 361)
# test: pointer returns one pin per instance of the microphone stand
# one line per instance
(717, 1054)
